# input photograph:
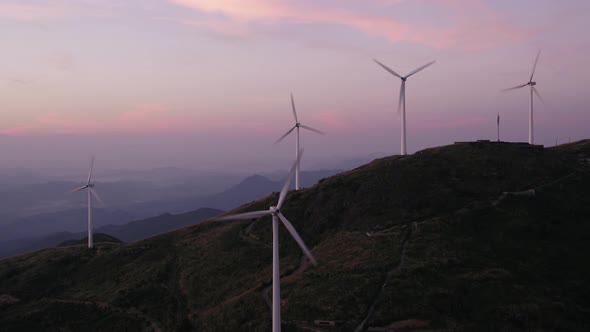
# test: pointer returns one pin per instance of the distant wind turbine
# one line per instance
(297, 126)
(498, 124)
(402, 97)
(275, 212)
(89, 186)
(532, 84)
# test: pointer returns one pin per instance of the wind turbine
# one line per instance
(275, 212)
(89, 186)
(296, 127)
(531, 84)
(402, 97)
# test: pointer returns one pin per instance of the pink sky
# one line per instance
(219, 72)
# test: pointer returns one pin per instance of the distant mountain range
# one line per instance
(247, 190)
(34, 232)
(132, 231)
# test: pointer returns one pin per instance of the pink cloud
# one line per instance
(28, 12)
(473, 24)
(223, 27)
(330, 121)
(142, 119)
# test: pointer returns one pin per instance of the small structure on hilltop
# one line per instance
(319, 322)
(520, 145)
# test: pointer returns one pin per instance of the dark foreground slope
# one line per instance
(429, 240)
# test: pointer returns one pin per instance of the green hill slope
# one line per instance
(451, 238)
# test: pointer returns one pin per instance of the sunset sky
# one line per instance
(206, 83)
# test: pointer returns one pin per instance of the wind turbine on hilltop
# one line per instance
(90, 187)
(531, 84)
(296, 127)
(275, 212)
(402, 97)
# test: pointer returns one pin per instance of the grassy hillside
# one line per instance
(96, 238)
(450, 238)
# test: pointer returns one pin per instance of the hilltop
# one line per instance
(468, 237)
(96, 238)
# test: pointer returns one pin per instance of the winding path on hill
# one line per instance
(399, 266)
(390, 274)
(303, 264)
(265, 293)
(247, 236)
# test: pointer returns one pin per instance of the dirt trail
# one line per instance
(247, 236)
(399, 266)
(390, 274)
(303, 264)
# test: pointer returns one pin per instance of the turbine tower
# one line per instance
(275, 212)
(402, 97)
(498, 125)
(296, 127)
(89, 186)
(531, 84)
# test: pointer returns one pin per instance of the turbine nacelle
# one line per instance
(532, 83)
(297, 126)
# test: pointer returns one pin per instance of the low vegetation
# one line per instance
(475, 259)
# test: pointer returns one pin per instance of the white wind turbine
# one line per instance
(532, 84)
(297, 126)
(275, 212)
(402, 97)
(89, 186)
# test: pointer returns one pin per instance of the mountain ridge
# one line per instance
(472, 259)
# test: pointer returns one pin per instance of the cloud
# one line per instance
(459, 23)
(143, 119)
(220, 26)
(471, 24)
(57, 10)
(29, 12)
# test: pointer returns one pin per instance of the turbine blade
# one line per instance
(314, 130)
(246, 215)
(387, 68)
(78, 189)
(95, 195)
(293, 108)
(402, 97)
(420, 68)
(297, 238)
(285, 188)
(516, 87)
(91, 168)
(535, 65)
(536, 92)
(286, 134)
